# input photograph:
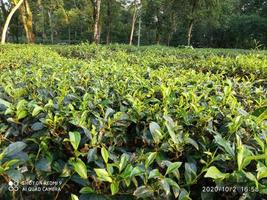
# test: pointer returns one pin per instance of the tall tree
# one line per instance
(3, 14)
(3, 8)
(136, 8)
(196, 7)
(96, 16)
(9, 17)
(26, 19)
(109, 16)
(133, 22)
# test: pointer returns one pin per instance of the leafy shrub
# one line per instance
(120, 121)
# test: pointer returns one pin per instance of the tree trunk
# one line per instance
(169, 39)
(69, 34)
(81, 31)
(17, 29)
(97, 7)
(139, 30)
(26, 19)
(158, 27)
(9, 17)
(39, 3)
(43, 31)
(191, 23)
(133, 23)
(157, 37)
(173, 28)
(109, 14)
(189, 36)
(51, 27)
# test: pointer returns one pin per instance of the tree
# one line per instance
(3, 14)
(26, 19)
(9, 17)
(196, 7)
(109, 16)
(96, 17)
(136, 8)
(209, 23)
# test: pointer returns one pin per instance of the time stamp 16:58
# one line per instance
(232, 189)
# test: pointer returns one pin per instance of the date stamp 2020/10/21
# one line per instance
(230, 189)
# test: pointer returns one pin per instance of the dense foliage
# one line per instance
(213, 23)
(125, 122)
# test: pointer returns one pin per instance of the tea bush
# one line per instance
(120, 122)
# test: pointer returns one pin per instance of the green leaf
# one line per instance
(184, 195)
(155, 132)
(15, 175)
(260, 143)
(92, 155)
(154, 174)
(110, 168)
(225, 144)
(244, 155)
(79, 167)
(127, 172)
(21, 109)
(190, 172)
(36, 110)
(240, 152)
(21, 104)
(172, 134)
(143, 192)
(43, 165)
(37, 126)
(5, 103)
(262, 117)
(2, 170)
(104, 154)
(103, 174)
(123, 161)
(66, 172)
(10, 163)
(74, 197)
(193, 142)
(214, 173)
(86, 190)
(21, 114)
(109, 112)
(114, 187)
(172, 183)
(262, 171)
(75, 138)
(14, 148)
(166, 187)
(251, 177)
(136, 171)
(172, 167)
(150, 159)
(169, 120)
(256, 113)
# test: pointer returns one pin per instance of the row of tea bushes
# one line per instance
(123, 122)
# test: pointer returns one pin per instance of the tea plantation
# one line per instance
(120, 122)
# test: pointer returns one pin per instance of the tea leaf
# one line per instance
(75, 138)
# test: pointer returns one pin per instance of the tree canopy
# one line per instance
(200, 23)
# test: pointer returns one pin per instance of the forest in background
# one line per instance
(200, 23)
